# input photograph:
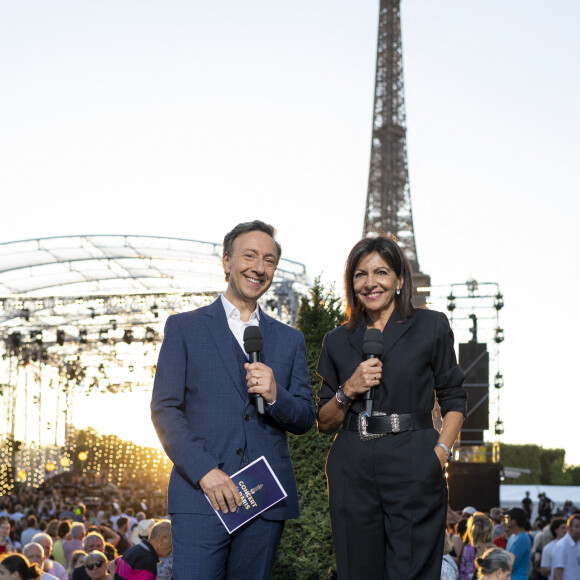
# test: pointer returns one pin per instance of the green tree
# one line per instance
(306, 551)
(547, 465)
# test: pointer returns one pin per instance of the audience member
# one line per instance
(62, 530)
(17, 567)
(494, 564)
(31, 530)
(496, 516)
(565, 556)
(449, 570)
(6, 544)
(77, 559)
(95, 566)
(75, 542)
(51, 566)
(140, 561)
(557, 531)
(545, 507)
(519, 542)
(479, 534)
(35, 555)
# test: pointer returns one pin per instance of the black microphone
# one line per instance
(253, 345)
(372, 348)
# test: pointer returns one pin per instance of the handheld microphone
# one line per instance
(253, 345)
(372, 348)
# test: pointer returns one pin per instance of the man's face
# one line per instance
(166, 546)
(35, 555)
(560, 531)
(46, 546)
(94, 543)
(4, 529)
(251, 267)
(575, 530)
(510, 524)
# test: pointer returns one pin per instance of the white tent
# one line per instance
(512, 495)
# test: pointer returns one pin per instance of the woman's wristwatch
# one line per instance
(342, 398)
(447, 451)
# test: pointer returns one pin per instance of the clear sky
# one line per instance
(183, 118)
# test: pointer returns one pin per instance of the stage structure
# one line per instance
(474, 312)
(83, 315)
(388, 205)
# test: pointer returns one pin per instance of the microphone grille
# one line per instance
(253, 341)
(373, 342)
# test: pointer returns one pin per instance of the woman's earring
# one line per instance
(398, 292)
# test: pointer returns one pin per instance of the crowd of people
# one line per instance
(548, 550)
(61, 532)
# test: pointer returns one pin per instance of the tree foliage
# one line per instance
(547, 465)
(306, 551)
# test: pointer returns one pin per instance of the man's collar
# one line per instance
(232, 311)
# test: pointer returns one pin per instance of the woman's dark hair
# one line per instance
(110, 552)
(63, 529)
(461, 529)
(391, 253)
(492, 560)
(19, 563)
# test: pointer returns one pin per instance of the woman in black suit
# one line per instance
(386, 484)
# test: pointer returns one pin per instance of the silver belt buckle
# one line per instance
(363, 423)
(395, 424)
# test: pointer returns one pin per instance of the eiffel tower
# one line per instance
(388, 207)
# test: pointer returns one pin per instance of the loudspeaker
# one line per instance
(474, 361)
(473, 484)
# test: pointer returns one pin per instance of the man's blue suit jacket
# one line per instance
(202, 412)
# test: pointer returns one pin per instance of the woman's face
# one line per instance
(78, 561)
(375, 284)
(4, 529)
(96, 568)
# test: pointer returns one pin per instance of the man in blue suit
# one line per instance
(208, 426)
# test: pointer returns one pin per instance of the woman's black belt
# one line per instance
(395, 423)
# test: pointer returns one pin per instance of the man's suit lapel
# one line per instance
(221, 334)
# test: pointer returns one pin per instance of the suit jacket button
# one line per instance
(246, 417)
(239, 450)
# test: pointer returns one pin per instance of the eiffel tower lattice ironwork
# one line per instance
(388, 206)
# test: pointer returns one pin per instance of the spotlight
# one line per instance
(498, 304)
(26, 314)
(155, 310)
(499, 427)
(83, 336)
(36, 337)
(131, 368)
(451, 305)
(60, 336)
(113, 323)
(103, 335)
(102, 368)
(128, 336)
(499, 337)
(498, 383)
(149, 334)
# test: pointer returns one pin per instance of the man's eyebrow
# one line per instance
(256, 252)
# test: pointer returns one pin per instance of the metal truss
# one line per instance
(388, 205)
